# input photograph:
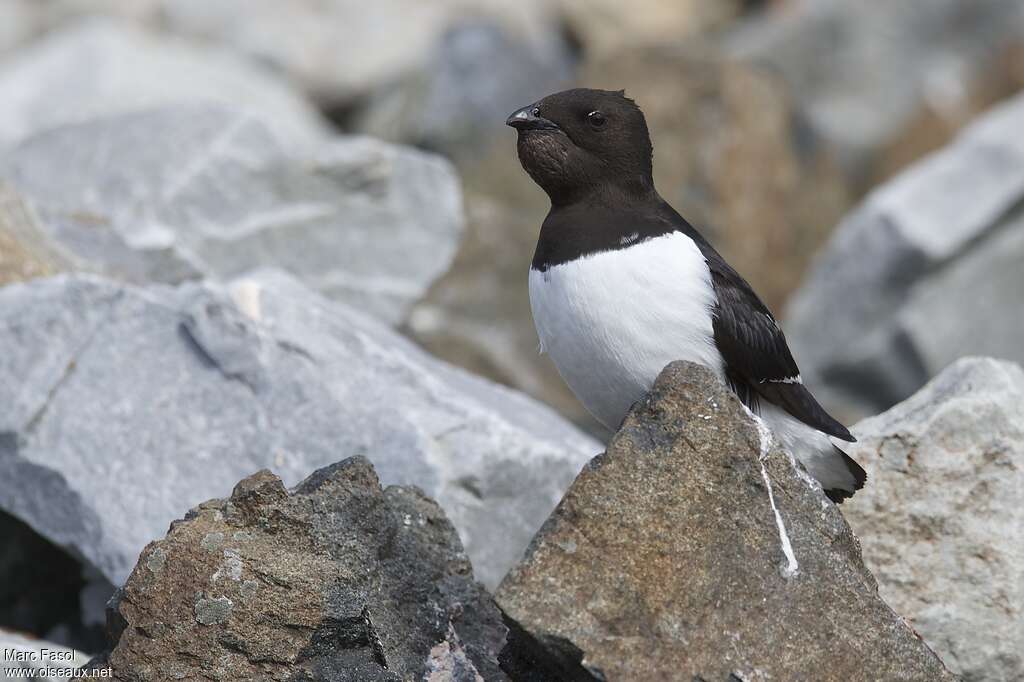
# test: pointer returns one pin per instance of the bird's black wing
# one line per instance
(757, 357)
(758, 362)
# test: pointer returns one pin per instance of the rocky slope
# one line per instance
(184, 142)
(693, 548)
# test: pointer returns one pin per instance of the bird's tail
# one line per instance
(857, 479)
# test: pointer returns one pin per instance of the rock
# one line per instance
(940, 521)
(16, 23)
(457, 101)
(206, 191)
(22, 21)
(335, 580)
(963, 309)
(25, 249)
(692, 550)
(106, 388)
(102, 67)
(30, 658)
(341, 50)
(886, 82)
(603, 26)
(920, 274)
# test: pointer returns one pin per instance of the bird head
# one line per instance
(581, 142)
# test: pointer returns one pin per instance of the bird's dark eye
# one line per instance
(536, 111)
(596, 119)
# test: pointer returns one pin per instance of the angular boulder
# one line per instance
(694, 548)
(121, 405)
(925, 271)
(941, 522)
(205, 191)
(101, 67)
(885, 82)
(337, 580)
(457, 100)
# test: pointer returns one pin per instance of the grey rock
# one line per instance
(107, 389)
(341, 50)
(969, 306)
(22, 21)
(356, 583)
(24, 655)
(695, 548)
(940, 520)
(206, 191)
(923, 272)
(472, 79)
(868, 72)
(101, 67)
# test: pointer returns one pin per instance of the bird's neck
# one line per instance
(594, 225)
(621, 192)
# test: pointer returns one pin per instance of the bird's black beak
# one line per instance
(528, 118)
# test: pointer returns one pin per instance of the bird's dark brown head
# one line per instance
(578, 143)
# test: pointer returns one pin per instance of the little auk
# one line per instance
(621, 284)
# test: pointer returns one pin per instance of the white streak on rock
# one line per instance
(791, 567)
(246, 294)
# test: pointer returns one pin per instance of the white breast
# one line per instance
(613, 320)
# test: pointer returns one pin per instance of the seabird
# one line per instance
(621, 284)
